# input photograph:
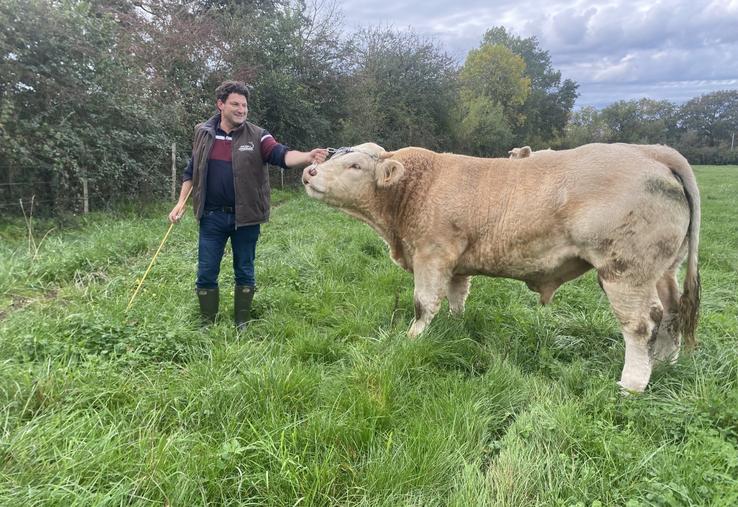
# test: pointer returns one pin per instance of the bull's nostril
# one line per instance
(312, 171)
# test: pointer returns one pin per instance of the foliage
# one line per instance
(708, 128)
(640, 122)
(712, 117)
(702, 129)
(484, 128)
(291, 57)
(399, 89)
(65, 84)
(550, 101)
(587, 125)
(493, 86)
(96, 92)
(109, 87)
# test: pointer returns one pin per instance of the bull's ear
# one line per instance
(389, 172)
(525, 151)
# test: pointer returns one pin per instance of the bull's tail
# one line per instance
(689, 303)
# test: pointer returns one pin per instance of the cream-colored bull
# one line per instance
(525, 152)
(630, 212)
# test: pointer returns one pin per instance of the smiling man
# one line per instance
(229, 179)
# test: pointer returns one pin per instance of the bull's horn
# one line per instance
(386, 154)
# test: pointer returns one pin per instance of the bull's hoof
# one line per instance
(627, 390)
(415, 330)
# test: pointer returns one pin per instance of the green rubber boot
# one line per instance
(209, 299)
(242, 298)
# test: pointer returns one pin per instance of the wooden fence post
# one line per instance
(85, 195)
(174, 171)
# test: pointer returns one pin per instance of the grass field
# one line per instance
(323, 400)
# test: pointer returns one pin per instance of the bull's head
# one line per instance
(523, 152)
(351, 177)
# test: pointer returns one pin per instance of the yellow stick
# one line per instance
(130, 303)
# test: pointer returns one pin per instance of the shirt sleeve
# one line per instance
(272, 152)
(187, 175)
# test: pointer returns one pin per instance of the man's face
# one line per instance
(234, 110)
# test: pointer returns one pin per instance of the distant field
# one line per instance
(324, 401)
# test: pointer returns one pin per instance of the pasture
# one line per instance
(324, 400)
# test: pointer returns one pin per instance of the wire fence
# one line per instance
(82, 194)
(16, 196)
(43, 190)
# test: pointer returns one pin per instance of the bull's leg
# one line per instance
(431, 281)
(458, 289)
(668, 337)
(640, 312)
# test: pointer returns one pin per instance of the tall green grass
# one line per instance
(323, 400)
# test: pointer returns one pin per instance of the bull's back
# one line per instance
(534, 215)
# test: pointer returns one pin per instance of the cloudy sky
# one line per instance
(661, 49)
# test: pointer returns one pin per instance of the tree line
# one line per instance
(97, 90)
(704, 129)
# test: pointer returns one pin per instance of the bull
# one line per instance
(631, 212)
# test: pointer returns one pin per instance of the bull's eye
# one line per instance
(354, 166)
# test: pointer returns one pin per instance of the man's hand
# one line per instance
(300, 159)
(176, 214)
(318, 155)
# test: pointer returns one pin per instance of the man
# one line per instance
(231, 196)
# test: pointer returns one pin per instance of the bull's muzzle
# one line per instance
(307, 173)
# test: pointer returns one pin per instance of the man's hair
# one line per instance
(228, 87)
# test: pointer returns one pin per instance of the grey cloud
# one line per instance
(570, 25)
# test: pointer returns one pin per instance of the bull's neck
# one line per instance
(375, 218)
(396, 213)
(385, 215)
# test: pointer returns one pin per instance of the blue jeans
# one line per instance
(215, 229)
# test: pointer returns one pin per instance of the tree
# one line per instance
(643, 121)
(258, 6)
(706, 128)
(550, 101)
(484, 129)
(399, 91)
(109, 85)
(701, 129)
(65, 80)
(712, 118)
(292, 57)
(586, 126)
(492, 87)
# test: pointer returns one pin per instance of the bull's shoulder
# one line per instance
(418, 149)
(414, 154)
(420, 165)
